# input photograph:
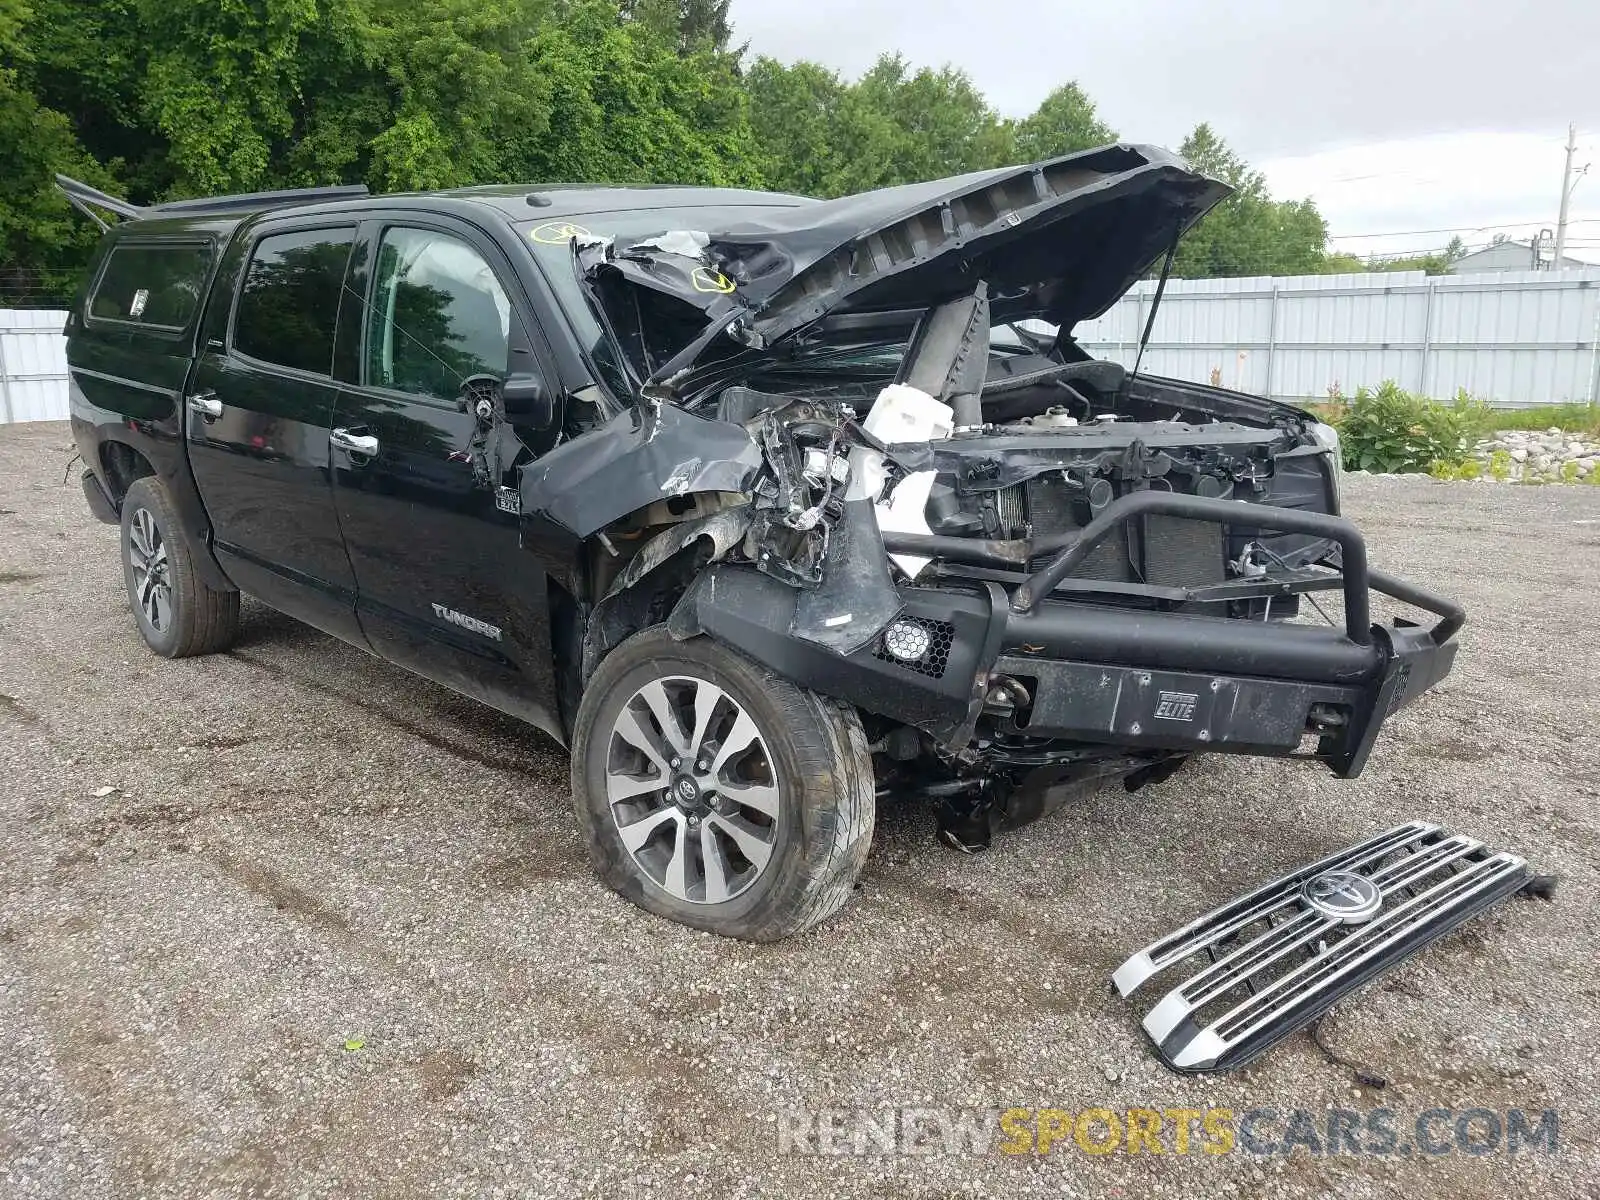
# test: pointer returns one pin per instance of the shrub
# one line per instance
(1500, 466)
(1390, 430)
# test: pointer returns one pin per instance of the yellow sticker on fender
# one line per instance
(558, 233)
(707, 279)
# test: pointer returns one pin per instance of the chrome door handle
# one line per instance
(356, 443)
(206, 404)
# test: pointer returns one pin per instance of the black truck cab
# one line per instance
(294, 372)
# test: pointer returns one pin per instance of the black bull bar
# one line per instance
(1103, 674)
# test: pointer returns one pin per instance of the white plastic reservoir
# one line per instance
(901, 414)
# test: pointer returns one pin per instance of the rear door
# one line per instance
(260, 415)
(424, 470)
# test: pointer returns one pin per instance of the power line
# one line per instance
(1458, 228)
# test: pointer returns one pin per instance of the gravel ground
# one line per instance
(333, 933)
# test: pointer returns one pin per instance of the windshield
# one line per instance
(552, 247)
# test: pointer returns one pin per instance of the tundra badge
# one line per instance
(466, 622)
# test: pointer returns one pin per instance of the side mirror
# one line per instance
(526, 402)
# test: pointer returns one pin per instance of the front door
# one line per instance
(260, 409)
(443, 585)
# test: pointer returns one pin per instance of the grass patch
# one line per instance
(1571, 418)
(1581, 419)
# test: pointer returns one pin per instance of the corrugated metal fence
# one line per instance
(1513, 338)
(33, 366)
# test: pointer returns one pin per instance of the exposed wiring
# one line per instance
(1277, 558)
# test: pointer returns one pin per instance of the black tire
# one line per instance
(814, 747)
(195, 619)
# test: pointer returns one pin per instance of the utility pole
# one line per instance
(1568, 184)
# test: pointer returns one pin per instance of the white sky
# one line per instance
(1423, 115)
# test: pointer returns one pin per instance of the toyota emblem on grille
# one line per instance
(1344, 896)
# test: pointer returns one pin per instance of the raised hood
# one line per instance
(1061, 240)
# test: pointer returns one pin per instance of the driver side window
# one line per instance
(438, 316)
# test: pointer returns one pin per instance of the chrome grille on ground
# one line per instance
(1271, 961)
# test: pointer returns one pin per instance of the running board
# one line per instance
(1271, 962)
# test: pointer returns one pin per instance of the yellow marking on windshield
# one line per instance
(708, 279)
(558, 233)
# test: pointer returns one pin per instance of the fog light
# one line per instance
(907, 640)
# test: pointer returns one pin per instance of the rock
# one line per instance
(1574, 449)
(1553, 430)
(1587, 463)
(1519, 454)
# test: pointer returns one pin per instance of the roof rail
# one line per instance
(86, 199)
(261, 201)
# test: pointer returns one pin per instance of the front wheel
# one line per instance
(713, 792)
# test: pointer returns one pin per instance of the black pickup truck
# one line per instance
(768, 508)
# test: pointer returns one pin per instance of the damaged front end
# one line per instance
(1031, 572)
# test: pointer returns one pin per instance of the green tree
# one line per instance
(157, 99)
(223, 85)
(1065, 121)
(941, 123)
(42, 241)
(1249, 233)
(797, 114)
(626, 106)
(1438, 262)
(819, 135)
(451, 94)
(695, 25)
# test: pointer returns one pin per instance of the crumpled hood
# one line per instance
(1061, 240)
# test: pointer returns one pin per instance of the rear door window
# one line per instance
(289, 301)
(154, 284)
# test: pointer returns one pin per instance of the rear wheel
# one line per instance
(178, 615)
(718, 794)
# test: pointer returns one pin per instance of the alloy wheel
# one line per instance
(152, 573)
(693, 789)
